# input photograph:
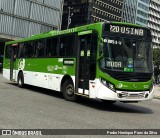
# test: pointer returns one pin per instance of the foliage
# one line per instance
(156, 59)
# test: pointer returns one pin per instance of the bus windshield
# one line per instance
(127, 55)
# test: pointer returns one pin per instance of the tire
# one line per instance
(20, 80)
(108, 102)
(68, 91)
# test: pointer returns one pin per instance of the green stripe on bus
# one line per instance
(85, 32)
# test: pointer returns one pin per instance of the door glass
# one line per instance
(85, 53)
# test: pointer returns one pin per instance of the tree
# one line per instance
(156, 59)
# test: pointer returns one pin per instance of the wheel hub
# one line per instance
(70, 90)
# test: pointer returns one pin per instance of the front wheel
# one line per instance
(20, 80)
(68, 91)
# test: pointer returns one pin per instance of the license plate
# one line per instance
(134, 96)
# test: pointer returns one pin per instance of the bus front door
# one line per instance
(13, 62)
(84, 64)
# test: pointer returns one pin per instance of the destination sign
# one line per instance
(114, 64)
(125, 29)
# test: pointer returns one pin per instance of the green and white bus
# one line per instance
(109, 61)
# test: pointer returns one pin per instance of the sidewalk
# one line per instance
(157, 91)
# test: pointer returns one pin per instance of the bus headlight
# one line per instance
(108, 84)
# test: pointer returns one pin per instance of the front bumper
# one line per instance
(106, 94)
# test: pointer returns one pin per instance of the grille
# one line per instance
(128, 95)
(131, 77)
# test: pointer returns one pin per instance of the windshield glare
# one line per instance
(128, 55)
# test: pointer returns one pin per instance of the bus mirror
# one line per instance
(101, 47)
(104, 51)
(102, 40)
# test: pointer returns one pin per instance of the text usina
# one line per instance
(127, 30)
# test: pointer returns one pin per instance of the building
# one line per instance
(81, 12)
(136, 11)
(31, 16)
(154, 22)
(23, 18)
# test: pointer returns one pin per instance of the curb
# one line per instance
(156, 94)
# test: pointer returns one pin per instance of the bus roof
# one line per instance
(72, 30)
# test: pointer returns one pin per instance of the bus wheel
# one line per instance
(108, 102)
(20, 80)
(68, 91)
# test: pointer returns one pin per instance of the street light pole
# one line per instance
(69, 16)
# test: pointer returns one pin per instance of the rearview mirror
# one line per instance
(102, 46)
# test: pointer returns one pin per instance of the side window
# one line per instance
(51, 47)
(66, 47)
(70, 45)
(63, 46)
(8, 51)
(29, 49)
(40, 48)
(21, 50)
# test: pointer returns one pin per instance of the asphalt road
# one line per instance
(36, 108)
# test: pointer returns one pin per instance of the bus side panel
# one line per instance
(6, 73)
(47, 72)
(54, 82)
(35, 78)
(6, 69)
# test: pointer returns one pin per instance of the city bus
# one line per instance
(109, 61)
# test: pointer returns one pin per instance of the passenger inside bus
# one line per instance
(39, 49)
(121, 56)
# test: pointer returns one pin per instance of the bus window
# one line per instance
(51, 47)
(70, 45)
(66, 46)
(8, 52)
(40, 48)
(62, 48)
(29, 50)
(21, 51)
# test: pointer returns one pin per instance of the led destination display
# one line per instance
(127, 30)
